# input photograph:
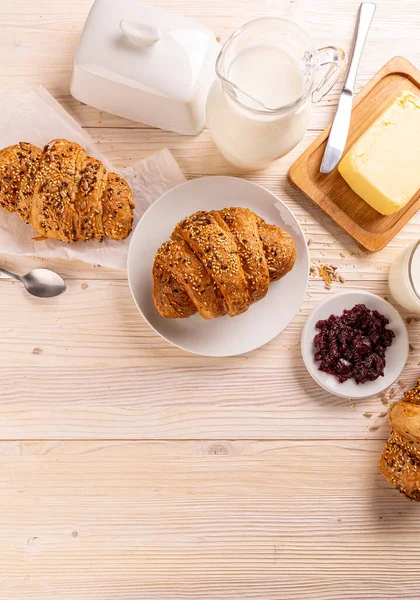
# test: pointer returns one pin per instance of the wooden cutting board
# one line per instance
(371, 230)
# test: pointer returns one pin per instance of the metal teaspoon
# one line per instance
(42, 283)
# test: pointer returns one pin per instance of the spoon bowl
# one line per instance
(42, 283)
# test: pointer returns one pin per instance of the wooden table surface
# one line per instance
(132, 470)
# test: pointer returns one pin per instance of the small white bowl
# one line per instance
(396, 355)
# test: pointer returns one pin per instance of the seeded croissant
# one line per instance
(63, 193)
(400, 461)
(218, 263)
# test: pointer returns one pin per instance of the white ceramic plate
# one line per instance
(396, 355)
(225, 336)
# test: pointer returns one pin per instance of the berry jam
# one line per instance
(353, 346)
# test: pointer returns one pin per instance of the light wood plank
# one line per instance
(269, 399)
(203, 520)
(101, 315)
(90, 367)
(95, 325)
(208, 518)
(118, 380)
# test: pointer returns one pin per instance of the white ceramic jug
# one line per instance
(259, 106)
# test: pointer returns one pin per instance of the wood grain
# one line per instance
(109, 376)
(207, 520)
(371, 230)
(102, 326)
(254, 483)
(270, 403)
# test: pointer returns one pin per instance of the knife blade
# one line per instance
(340, 127)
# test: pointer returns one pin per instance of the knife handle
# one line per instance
(366, 12)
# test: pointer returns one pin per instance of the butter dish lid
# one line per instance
(145, 47)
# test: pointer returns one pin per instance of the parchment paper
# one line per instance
(32, 115)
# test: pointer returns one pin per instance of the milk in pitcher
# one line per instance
(248, 137)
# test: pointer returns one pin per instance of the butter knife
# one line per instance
(340, 126)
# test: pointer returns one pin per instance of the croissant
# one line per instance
(63, 193)
(400, 460)
(219, 262)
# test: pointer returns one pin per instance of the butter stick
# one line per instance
(383, 166)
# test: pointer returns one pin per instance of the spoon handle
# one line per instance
(7, 274)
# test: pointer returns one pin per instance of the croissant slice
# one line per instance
(279, 249)
(400, 460)
(191, 276)
(88, 202)
(242, 225)
(53, 204)
(14, 163)
(218, 252)
(26, 192)
(118, 206)
(171, 298)
(218, 263)
(400, 465)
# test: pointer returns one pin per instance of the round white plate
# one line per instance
(225, 336)
(396, 355)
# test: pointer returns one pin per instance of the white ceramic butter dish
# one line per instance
(145, 64)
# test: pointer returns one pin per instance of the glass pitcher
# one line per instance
(259, 106)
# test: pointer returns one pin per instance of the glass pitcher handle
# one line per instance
(336, 58)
